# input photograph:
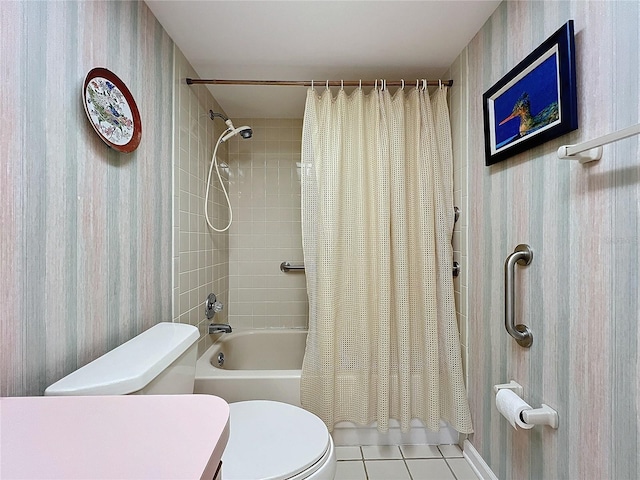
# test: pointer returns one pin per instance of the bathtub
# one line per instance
(258, 365)
(267, 364)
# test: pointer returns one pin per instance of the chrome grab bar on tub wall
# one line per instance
(522, 255)
(456, 269)
(287, 267)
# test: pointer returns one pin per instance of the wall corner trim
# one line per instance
(479, 466)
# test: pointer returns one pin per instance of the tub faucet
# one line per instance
(219, 328)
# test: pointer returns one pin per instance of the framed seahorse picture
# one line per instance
(535, 102)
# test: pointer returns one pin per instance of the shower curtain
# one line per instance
(377, 221)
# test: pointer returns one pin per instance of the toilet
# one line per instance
(267, 440)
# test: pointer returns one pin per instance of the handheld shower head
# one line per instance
(245, 132)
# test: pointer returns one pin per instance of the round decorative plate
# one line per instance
(112, 110)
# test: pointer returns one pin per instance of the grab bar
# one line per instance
(522, 255)
(287, 267)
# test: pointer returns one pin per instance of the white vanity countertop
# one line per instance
(112, 437)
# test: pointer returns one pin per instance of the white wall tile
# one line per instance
(203, 254)
(266, 201)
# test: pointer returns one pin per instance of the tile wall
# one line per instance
(265, 195)
(200, 255)
(459, 140)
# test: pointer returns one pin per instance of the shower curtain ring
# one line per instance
(311, 84)
(360, 84)
(375, 87)
(341, 84)
(402, 80)
(440, 84)
(327, 84)
(417, 84)
(424, 84)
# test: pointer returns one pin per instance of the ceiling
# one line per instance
(319, 40)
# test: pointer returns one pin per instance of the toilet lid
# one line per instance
(272, 440)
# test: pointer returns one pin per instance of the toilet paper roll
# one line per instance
(511, 406)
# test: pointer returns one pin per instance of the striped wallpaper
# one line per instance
(580, 295)
(85, 237)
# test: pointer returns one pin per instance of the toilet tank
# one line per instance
(161, 360)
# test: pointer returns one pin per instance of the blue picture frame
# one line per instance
(535, 102)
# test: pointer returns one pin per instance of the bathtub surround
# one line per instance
(85, 231)
(459, 142)
(580, 295)
(200, 255)
(265, 196)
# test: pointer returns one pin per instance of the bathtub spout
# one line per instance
(219, 328)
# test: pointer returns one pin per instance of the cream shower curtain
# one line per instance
(377, 220)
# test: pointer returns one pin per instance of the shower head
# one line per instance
(245, 132)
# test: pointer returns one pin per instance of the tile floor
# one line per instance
(403, 462)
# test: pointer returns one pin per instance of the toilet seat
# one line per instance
(275, 441)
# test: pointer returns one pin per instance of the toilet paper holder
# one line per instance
(512, 385)
(545, 415)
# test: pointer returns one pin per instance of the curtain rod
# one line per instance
(309, 83)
